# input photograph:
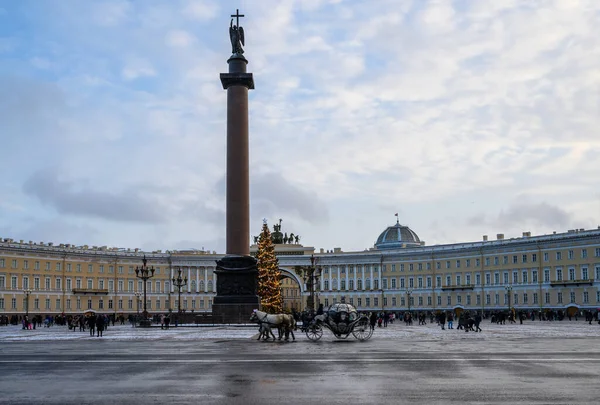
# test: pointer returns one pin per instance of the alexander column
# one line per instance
(236, 272)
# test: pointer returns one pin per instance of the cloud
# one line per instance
(71, 198)
(179, 39)
(542, 215)
(271, 193)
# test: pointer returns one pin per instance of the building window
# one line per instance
(558, 256)
(495, 260)
(478, 279)
(351, 283)
(420, 301)
(571, 274)
(393, 283)
(468, 279)
(429, 300)
(546, 256)
(47, 303)
(505, 277)
(525, 298)
(584, 253)
(584, 273)
(13, 264)
(458, 279)
(13, 282)
(477, 262)
(130, 304)
(488, 299)
(90, 268)
(13, 303)
(438, 281)
(2, 263)
(559, 300)
(447, 264)
(487, 261)
(546, 275)
(586, 297)
(401, 267)
(428, 282)
(90, 284)
(559, 274)
(367, 302)
(101, 304)
(121, 270)
(420, 282)
(478, 299)
(449, 298)
(420, 266)
(448, 280)
(571, 254)
(504, 259)
(516, 298)
(410, 267)
(411, 282)
(534, 277)
(458, 264)
(78, 283)
(534, 257)
(497, 299)
(468, 263)
(402, 284)
(439, 300)
(101, 268)
(78, 268)
(26, 264)
(572, 297)
(515, 277)
(438, 265)
(535, 298)
(597, 252)
(515, 259)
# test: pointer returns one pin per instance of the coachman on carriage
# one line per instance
(342, 320)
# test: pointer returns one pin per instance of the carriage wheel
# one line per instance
(314, 332)
(362, 330)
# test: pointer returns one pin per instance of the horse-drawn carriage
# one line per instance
(342, 320)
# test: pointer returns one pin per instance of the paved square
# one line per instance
(534, 363)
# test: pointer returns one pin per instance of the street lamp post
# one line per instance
(144, 273)
(137, 304)
(508, 289)
(382, 300)
(179, 282)
(408, 294)
(310, 275)
(27, 292)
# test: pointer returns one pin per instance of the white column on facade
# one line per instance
(214, 280)
(205, 279)
(339, 275)
(197, 279)
(171, 280)
(189, 277)
(322, 282)
(355, 270)
(371, 276)
(330, 268)
(346, 274)
(362, 272)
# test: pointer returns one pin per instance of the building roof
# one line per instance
(397, 236)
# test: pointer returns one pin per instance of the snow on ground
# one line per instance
(396, 331)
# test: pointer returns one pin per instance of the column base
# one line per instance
(236, 289)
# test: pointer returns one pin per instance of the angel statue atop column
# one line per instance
(236, 34)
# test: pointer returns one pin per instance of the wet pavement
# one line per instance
(483, 368)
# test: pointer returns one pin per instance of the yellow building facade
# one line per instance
(558, 271)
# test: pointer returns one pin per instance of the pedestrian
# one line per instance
(443, 320)
(477, 322)
(100, 326)
(91, 321)
(450, 321)
(373, 320)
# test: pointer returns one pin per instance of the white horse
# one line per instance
(281, 321)
(264, 331)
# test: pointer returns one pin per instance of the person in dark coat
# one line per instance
(373, 320)
(320, 310)
(91, 321)
(443, 320)
(99, 326)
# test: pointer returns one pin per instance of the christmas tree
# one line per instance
(269, 275)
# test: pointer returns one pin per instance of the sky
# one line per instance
(465, 117)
